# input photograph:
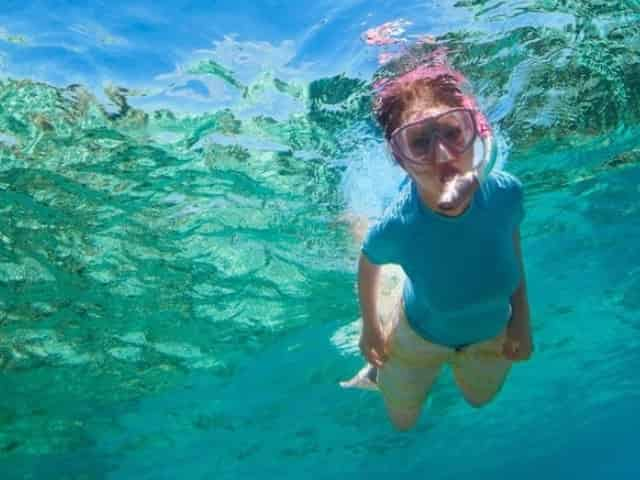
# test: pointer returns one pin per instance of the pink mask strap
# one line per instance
(482, 124)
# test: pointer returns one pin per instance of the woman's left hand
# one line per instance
(517, 346)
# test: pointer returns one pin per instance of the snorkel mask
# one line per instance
(437, 139)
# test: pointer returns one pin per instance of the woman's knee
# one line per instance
(478, 402)
(404, 419)
(481, 398)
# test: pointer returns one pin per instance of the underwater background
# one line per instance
(177, 266)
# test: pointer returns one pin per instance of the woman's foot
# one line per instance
(366, 378)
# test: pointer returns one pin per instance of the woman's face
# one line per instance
(433, 175)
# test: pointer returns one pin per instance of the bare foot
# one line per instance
(366, 379)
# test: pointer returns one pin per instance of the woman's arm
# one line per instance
(519, 345)
(372, 338)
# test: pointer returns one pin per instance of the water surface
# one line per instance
(177, 269)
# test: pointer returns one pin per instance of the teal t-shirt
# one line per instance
(461, 271)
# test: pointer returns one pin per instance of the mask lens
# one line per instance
(456, 130)
(415, 142)
(419, 140)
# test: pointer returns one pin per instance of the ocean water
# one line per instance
(177, 267)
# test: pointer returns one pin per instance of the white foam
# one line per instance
(127, 354)
(370, 181)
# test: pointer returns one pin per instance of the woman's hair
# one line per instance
(423, 81)
(401, 97)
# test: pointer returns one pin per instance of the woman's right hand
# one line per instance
(373, 345)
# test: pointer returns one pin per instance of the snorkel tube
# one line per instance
(488, 158)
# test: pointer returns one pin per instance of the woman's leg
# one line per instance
(480, 371)
(404, 385)
(407, 376)
(405, 389)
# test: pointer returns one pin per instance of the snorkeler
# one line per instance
(454, 230)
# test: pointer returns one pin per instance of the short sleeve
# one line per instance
(510, 197)
(382, 244)
(518, 201)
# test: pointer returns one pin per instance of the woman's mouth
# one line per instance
(457, 188)
(448, 173)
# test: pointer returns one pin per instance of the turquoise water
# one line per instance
(177, 267)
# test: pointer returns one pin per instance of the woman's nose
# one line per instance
(442, 154)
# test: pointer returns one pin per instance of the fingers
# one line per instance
(513, 351)
(375, 361)
(373, 346)
(510, 350)
(509, 355)
(375, 356)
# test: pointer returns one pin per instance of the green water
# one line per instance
(177, 290)
(129, 260)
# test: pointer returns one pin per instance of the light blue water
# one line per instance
(176, 268)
